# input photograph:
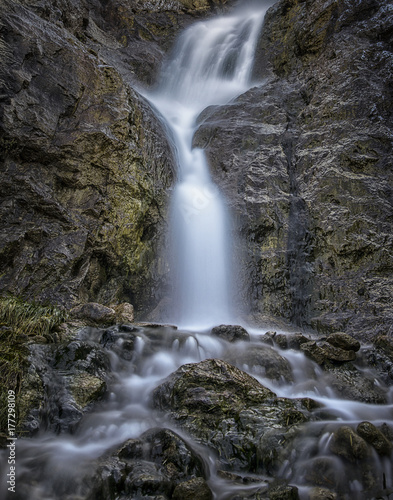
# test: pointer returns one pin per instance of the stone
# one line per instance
(343, 341)
(322, 494)
(262, 361)
(93, 313)
(228, 410)
(77, 166)
(385, 343)
(283, 491)
(159, 462)
(86, 388)
(299, 158)
(348, 444)
(124, 313)
(193, 489)
(322, 352)
(375, 437)
(231, 333)
(356, 385)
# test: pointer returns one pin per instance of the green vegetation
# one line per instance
(21, 322)
(30, 319)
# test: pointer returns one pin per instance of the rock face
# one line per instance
(305, 161)
(84, 164)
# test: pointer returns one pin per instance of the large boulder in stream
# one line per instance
(159, 464)
(230, 411)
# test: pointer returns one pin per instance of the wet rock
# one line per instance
(62, 384)
(124, 313)
(380, 363)
(268, 338)
(86, 388)
(290, 341)
(348, 444)
(385, 343)
(353, 384)
(84, 192)
(322, 352)
(261, 360)
(94, 314)
(299, 158)
(278, 491)
(157, 463)
(80, 355)
(343, 341)
(375, 437)
(231, 333)
(325, 472)
(227, 409)
(322, 494)
(193, 489)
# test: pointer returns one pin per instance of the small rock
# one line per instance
(124, 313)
(322, 494)
(375, 437)
(94, 313)
(231, 333)
(343, 341)
(283, 492)
(336, 353)
(296, 340)
(281, 340)
(193, 489)
(261, 360)
(86, 388)
(385, 343)
(326, 352)
(313, 351)
(346, 443)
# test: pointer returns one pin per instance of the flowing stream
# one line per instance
(211, 64)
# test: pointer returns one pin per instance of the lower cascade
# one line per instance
(154, 412)
(207, 409)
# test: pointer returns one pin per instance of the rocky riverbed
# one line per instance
(148, 411)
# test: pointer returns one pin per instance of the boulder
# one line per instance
(227, 409)
(323, 352)
(348, 444)
(263, 361)
(375, 437)
(231, 333)
(94, 314)
(343, 341)
(158, 463)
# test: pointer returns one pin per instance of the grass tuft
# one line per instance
(21, 322)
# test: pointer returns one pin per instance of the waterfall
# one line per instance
(211, 64)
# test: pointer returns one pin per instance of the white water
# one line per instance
(211, 64)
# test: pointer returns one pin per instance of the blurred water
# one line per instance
(211, 64)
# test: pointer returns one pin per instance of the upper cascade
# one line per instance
(211, 64)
